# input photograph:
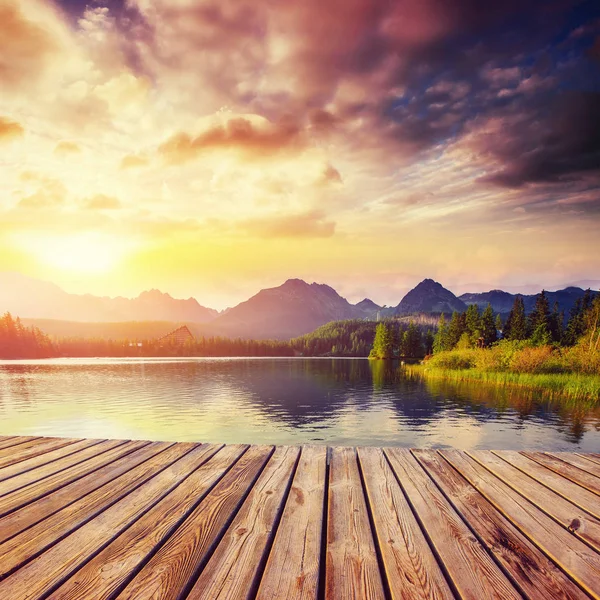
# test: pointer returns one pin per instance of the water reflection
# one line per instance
(333, 401)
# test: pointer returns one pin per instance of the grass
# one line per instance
(569, 386)
(566, 374)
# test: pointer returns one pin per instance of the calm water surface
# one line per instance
(278, 401)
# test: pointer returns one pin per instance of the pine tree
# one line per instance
(440, 341)
(556, 324)
(429, 342)
(383, 343)
(456, 328)
(473, 324)
(488, 326)
(411, 342)
(516, 324)
(499, 327)
(539, 321)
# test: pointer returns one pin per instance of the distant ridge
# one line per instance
(32, 298)
(289, 310)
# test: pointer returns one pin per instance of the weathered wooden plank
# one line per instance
(54, 456)
(234, 568)
(352, 570)
(15, 454)
(473, 572)
(573, 556)
(14, 441)
(11, 440)
(583, 478)
(39, 447)
(101, 578)
(545, 499)
(178, 561)
(533, 572)
(18, 498)
(574, 493)
(44, 573)
(292, 569)
(595, 458)
(410, 566)
(74, 507)
(11, 485)
(580, 462)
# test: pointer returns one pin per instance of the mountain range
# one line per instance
(291, 309)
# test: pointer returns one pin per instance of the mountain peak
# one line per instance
(430, 296)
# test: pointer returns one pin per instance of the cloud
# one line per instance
(40, 191)
(254, 139)
(132, 161)
(10, 130)
(101, 202)
(556, 143)
(331, 175)
(64, 148)
(309, 224)
(26, 43)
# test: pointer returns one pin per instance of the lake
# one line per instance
(278, 401)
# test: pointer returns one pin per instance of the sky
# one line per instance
(214, 148)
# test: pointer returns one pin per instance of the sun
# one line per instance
(77, 253)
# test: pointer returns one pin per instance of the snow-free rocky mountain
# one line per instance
(289, 310)
(28, 297)
(430, 297)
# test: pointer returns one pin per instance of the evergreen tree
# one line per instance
(576, 326)
(539, 321)
(383, 343)
(429, 342)
(488, 326)
(556, 324)
(456, 328)
(499, 327)
(411, 342)
(440, 341)
(473, 324)
(516, 324)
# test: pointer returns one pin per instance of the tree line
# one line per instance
(18, 341)
(544, 326)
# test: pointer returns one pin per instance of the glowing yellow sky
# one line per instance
(133, 156)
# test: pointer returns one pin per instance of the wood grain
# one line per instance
(15, 500)
(572, 492)
(54, 456)
(472, 570)
(174, 567)
(13, 442)
(15, 454)
(411, 568)
(292, 569)
(352, 570)
(41, 575)
(109, 570)
(117, 519)
(572, 555)
(583, 478)
(533, 572)
(120, 478)
(563, 511)
(233, 569)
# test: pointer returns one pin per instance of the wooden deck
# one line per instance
(104, 519)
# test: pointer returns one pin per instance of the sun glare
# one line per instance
(82, 252)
